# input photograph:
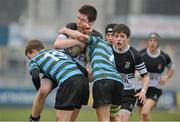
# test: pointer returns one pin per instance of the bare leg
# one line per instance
(63, 115)
(114, 113)
(139, 111)
(103, 113)
(124, 115)
(146, 109)
(115, 118)
(75, 114)
(38, 103)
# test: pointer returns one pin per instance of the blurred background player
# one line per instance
(73, 91)
(156, 62)
(127, 60)
(109, 34)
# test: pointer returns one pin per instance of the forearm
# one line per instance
(169, 73)
(76, 35)
(145, 82)
(66, 43)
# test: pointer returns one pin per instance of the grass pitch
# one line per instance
(86, 114)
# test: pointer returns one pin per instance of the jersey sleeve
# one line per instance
(33, 65)
(96, 34)
(92, 40)
(62, 36)
(35, 78)
(72, 26)
(139, 64)
(34, 72)
(168, 61)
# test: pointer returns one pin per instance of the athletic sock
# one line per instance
(34, 119)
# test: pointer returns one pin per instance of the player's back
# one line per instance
(55, 64)
(102, 60)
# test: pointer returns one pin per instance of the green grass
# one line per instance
(22, 114)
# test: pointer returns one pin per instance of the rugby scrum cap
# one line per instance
(154, 35)
(109, 28)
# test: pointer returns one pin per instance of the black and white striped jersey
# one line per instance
(156, 65)
(127, 62)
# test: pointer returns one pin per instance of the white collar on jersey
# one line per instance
(158, 52)
(121, 51)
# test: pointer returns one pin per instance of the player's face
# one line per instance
(153, 44)
(82, 21)
(121, 40)
(109, 37)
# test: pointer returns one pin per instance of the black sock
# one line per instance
(34, 119)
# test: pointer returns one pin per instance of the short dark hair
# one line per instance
(90, 11)
(109, 27)
(122, 28)
(34, 45)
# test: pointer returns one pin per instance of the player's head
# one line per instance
(33, 47)
(109, 33)
(87, 15)
(121, 33)
(153, 41)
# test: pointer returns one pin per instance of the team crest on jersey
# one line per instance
(159, 66)
(155, 97)
(127, 65)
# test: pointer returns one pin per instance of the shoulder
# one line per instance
(134, 51)
(165, 55)
(96, 34)
(143, 51)
(72, 26)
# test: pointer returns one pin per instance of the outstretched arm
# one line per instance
(75, 34)
(66, 42)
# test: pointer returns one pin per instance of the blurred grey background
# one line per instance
(21, 20)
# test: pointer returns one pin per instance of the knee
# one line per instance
(144, 114)
(43, 93)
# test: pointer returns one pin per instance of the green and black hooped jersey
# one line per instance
(102, 60)
(55, 65)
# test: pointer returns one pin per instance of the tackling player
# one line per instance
(107, 87)
(73, 88)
